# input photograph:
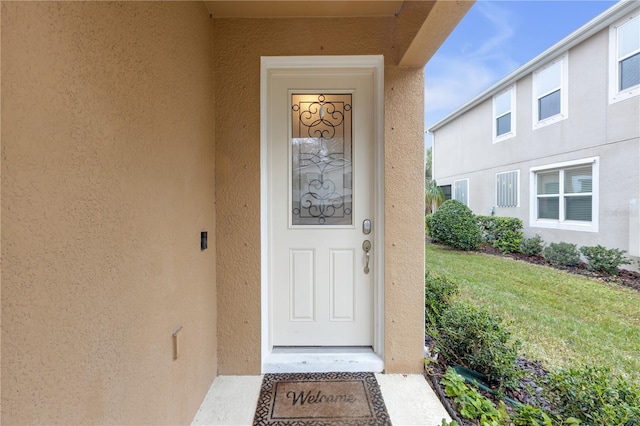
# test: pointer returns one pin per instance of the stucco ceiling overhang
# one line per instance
(422, 25)
(301, 8)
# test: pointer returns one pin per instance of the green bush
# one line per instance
(532, 246)
(427, 224)
(594, 396)
(562, 254)
(603, 259)
(438, 293)
(476, 339)
(455, 225)
(503, 233)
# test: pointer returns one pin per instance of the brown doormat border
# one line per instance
(364, 406)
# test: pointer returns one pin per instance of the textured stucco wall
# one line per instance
(404, 220)
(107, 181)
(239, 45)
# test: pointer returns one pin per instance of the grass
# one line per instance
(562, 319)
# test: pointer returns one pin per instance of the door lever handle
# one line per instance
(366, 246)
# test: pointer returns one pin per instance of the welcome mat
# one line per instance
(320, 399)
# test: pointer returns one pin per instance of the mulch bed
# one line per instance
(625, 277)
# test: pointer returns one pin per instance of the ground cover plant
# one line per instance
(561, 319)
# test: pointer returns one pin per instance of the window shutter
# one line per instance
(507, 189)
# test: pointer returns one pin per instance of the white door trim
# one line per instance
(371, 62)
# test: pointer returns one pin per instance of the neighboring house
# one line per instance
(557, 142)
(154, 234)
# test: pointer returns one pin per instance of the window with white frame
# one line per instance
(565, 196)
(507, 184)
(624, 58)
(550, 93)
(461, 191)
(504, 124)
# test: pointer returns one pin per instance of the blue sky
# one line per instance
(494, 39)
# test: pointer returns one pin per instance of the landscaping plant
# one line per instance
(455, 225)
(561, 318)
(470, 336)
(562, 254)
(438, 294)
(602, 259)
(503, 233)
(471, 404)
(532, 246)
(427, 224)
(476, 339)
(595, 396)
(433, 196)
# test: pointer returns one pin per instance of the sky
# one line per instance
(495, 38)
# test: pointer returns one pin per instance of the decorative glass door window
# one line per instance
(321, 159)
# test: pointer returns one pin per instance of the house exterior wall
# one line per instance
(239, 45)
(464, 148)
(107, 182)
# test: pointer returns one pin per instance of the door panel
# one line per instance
(320, 160)
(301, 285)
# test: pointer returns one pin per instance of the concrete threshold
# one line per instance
(231, 401)
(322, 360)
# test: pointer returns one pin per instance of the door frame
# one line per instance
(375, 64)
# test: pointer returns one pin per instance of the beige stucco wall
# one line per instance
(239, 45)
(107, 181)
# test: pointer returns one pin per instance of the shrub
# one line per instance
(532, 246)
(476, 339)
(427, 224)
(438, 292)
(455, 225)
(603, 259)
(503, 233)
(562, 254)
(594, 396)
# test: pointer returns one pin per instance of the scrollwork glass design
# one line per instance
(322, 188)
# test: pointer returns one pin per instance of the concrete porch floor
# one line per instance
(231, 400)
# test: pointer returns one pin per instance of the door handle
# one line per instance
(366, 246)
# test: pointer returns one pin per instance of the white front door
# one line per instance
(320, 135)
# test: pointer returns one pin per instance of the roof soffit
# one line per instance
(302, 8)
(424, 25)
(421, 25)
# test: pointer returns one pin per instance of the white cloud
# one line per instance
(501, 21)
(455, 77)
(456, 83)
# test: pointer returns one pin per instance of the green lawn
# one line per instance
(562, 319)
